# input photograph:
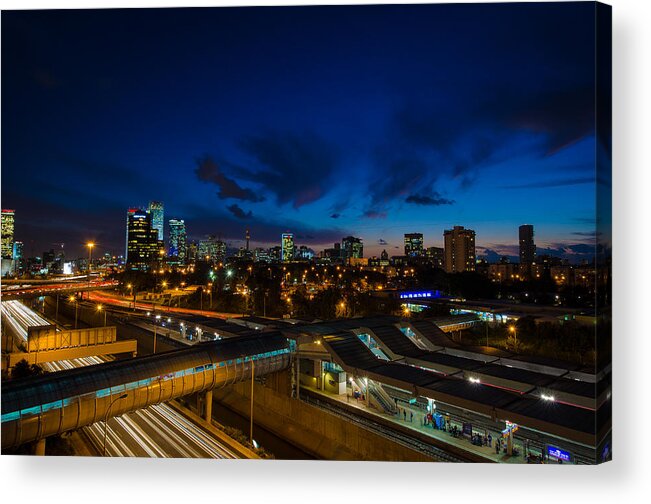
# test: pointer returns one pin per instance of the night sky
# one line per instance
(372, 121)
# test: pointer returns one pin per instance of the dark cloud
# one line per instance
(372, 214)
(382, 242)
(435, 200)
(238, 212)
(335, 215)
(464, 136)
(296, 168)
(209, 171)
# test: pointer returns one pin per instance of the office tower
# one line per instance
(142, 241)
(211, 249)
(7, 233)
(130, 212)
(435, 256)
(19, 259)
(527, 249)
(351, 248)
(248, 238)
(287, 244)
(459, 249)
(178, 241)
(414, 244)
(157, 220)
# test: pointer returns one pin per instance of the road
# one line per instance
(157, 431)
(123, 302)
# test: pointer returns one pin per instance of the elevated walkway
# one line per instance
(36, 408)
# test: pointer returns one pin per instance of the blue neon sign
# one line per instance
(419, 295)
(552, 451)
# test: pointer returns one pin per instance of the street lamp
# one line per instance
(90, 246)
(73, 299)
(130, 287)
(123, 396)
(155, 319)
(515, 333)
(99, 309)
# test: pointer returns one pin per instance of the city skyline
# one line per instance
(338, 143)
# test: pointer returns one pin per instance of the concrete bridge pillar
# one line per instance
(39, 447)
(208, 400)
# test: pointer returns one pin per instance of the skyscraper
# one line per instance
(18, 256)
(178, 241)
(130, 212)
(414, 244)
(157, 218)
(527, 249)
(459, 249)
(142, 241)
(287, 244)
(7, 233)
(351, 248)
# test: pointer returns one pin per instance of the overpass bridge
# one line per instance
(36, 408)
(23, 291)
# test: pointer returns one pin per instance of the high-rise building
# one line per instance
(157, 218)
(351, 248)
(18, 251)
(142, 241)
(178, 241)
(7, 233)
(459, 249)
(414, 244)
(130, 212)
(211, 249)
(527, 249)
(435, 256)
(287, 244)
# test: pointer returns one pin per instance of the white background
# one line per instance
(626, 480)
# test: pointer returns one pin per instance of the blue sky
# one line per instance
(326, 121)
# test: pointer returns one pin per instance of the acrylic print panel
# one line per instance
(347, 233)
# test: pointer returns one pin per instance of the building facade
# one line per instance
(157, 218)
(178, 241)
(435, 256)
(287, 246)
(352, 248)
(414, 244)
(8, 234)
(527, 250)
(143, 245)
(459, 249)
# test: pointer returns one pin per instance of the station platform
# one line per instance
(445, 437)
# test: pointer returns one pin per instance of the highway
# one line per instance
(157, 431)
(123, 302)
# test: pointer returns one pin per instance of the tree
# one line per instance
(23, 369)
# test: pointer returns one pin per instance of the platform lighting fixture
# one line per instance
(474, 380)
(547, 397)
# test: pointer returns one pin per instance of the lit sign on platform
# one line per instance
(552, 451)
(419, 295)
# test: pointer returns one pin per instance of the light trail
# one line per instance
(157, 431)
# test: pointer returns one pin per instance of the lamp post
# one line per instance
(100, 308)
(90, 246)
(73, 299)
(130, 286)
(515, 335)
(123, 396)
(155, 327)
(252, 376)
